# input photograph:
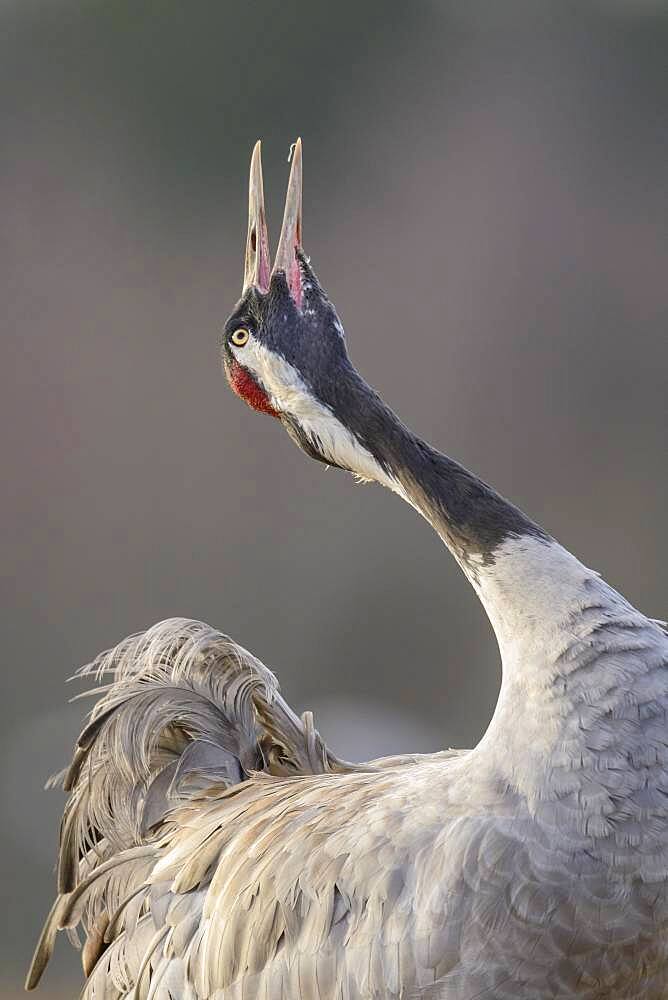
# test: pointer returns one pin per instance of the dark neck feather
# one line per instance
(471, 517)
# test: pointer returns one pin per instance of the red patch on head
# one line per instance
(244, 385)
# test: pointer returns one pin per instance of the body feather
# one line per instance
(214, 847)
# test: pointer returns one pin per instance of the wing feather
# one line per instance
(184, 710)
(213, 847)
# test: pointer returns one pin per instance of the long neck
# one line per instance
(475, 522)
(564, 635)
(524, 578)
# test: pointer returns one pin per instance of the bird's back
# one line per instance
(250, 862)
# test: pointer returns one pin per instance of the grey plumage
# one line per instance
(213, 848)
(271, 868)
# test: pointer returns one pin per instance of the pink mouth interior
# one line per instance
(294, 279)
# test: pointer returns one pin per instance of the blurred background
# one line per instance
(486, 202)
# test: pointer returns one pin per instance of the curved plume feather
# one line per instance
(186, 709)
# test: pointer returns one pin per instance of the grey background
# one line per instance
(485, 201)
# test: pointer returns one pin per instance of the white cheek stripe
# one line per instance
(289, 394)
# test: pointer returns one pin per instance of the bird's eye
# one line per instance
(240, 337)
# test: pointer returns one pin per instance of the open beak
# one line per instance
(258, 264)
(258, 270)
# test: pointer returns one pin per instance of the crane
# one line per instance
(213, 847)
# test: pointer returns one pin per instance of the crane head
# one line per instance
(283, 347)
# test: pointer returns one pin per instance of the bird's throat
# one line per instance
(245, 386)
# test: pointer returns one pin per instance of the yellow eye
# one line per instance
(240, 337)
